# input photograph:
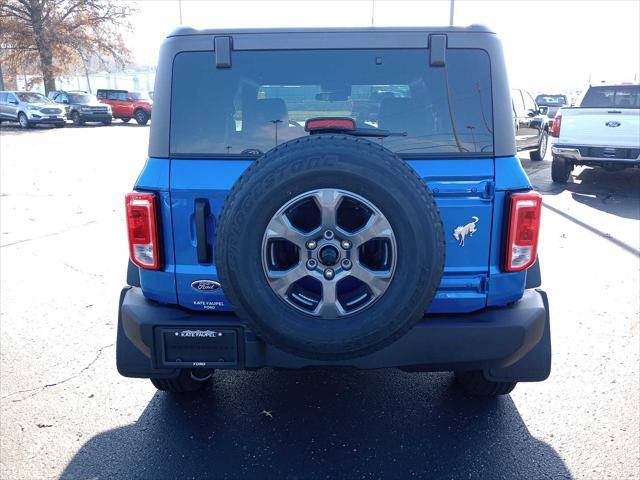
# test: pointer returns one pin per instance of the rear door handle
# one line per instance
(202, 245)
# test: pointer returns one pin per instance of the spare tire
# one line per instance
(330, 247)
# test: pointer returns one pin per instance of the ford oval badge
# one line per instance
(205, 285)
(612, 124)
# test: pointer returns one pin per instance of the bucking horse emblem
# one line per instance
(459, 233)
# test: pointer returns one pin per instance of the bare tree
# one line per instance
(58, 35)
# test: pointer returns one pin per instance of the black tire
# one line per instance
(107, 122)
(60, 125)
(183, 383)
(538, 155)
(141, 117)
(23, 120)
(76, 119)
(340, 162)
(560, 170)
(474, 383)
(125, 120)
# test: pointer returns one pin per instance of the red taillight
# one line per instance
(143, 229)
(524, 226)
(555, 126)
(337, 123)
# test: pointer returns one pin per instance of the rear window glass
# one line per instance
(116, 95)
(623, 96)
(551, 100)
(267, 96)
(139, 96)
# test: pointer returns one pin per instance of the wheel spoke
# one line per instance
(377, 281)
(281, 227)
(329, 307)
(376, 227)
(328, 201)
(280, 281)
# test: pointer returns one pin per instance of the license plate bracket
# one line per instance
(199, 347)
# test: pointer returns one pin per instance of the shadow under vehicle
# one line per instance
(321, 423)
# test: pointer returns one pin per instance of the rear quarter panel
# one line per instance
(160, 285)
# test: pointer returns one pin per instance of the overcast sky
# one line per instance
(549, 45)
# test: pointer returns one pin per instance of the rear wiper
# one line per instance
(374, 132)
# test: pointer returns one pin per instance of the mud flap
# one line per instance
(534, 276)
(535, 366)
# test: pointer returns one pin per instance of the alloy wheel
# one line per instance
(329, 253)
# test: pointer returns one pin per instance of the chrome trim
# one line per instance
(572, 153)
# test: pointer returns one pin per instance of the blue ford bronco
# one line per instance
(333, 197)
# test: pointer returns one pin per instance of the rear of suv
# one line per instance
(127, 104)
(279, 223)
(82, 107)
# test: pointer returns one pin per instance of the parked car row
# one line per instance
(32, 108)
(603, 130)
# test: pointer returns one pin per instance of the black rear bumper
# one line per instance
(510, 343)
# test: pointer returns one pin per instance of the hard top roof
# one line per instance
(186, 31)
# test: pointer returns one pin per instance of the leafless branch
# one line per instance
(58, 35)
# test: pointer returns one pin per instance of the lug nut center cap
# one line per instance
(329, 255)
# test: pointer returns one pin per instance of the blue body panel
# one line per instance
(212, 181)
(160, 285)
(505, 287)
(462, 188)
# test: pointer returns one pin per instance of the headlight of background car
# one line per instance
(33, 107)
(85, 109)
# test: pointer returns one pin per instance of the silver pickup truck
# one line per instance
(603, 131)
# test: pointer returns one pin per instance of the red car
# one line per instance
(127, 105)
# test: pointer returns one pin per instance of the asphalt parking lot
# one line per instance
(65, 411)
